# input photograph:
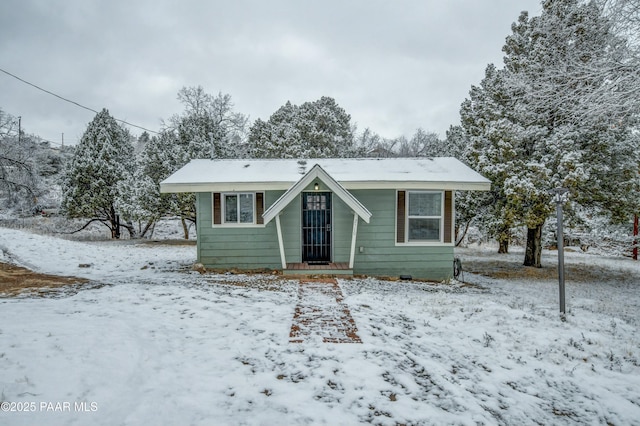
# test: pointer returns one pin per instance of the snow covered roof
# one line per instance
(446, 173)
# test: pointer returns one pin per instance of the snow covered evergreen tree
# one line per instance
(541, 122)
(312, 130)
(491, 150)
(140, 197)
(142, 142)
(279, 137)
(102, 161)
(325, 129)
(455, 143)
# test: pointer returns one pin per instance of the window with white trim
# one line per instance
(238, 208)
(424, 216)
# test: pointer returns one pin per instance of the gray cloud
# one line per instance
(394, 66)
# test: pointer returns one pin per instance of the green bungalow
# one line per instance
(376, 216)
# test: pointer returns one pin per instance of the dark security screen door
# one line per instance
(316, 227)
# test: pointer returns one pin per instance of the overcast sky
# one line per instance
(393, 66)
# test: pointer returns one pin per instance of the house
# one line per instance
(375, 216)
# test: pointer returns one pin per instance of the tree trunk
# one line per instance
(147, 227)
(114, 221)
(533, 251)
(185, 228)
(458, 239)
(503, 242)
(132, 230)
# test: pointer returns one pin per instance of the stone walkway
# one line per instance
(322, 315)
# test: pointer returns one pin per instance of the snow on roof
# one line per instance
(353, 173)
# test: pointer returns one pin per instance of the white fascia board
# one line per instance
(224, 186)
(283, 186)
(442, 186)
(316, 172)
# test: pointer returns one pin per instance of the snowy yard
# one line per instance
(151, 342)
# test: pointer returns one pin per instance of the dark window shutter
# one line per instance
(217, 210)
(400, 217)
(259, 208)
(448, 216)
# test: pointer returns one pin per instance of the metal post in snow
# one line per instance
(635, 237)
(560, 192)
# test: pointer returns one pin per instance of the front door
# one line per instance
(316, 227)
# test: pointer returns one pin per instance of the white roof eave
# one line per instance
(170, 187)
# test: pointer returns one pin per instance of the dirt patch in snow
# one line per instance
(16, 280)
(576, 272)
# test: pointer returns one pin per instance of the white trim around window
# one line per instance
(237, 209)
(423, 218)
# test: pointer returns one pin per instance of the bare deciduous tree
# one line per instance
(18, 179)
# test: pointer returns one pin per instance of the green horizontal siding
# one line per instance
(291, 223)
(236, 247)
(257, 247)
(382, 257)
(341, 229)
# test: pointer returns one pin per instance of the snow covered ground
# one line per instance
(159, 344)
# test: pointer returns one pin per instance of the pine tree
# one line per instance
(279, 137)
(492, 151)
(102, 161)
(312, 130)
(542, 121)
(140, 197)
(325, 129)
(455, 143)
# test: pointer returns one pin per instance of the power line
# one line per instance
(73, 102)
(51, 142)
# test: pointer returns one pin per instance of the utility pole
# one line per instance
(19, 128)
(560, 199)
(63, 139)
